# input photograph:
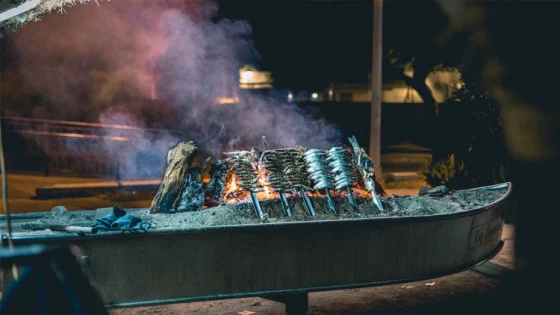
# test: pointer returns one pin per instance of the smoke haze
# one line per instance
(157, 64)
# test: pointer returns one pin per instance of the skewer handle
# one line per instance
(377, 201)
(331, 202)
(351, 198)
(257, 206)
(308, 203)
(285, 205)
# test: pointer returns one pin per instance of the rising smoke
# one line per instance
(158, 64)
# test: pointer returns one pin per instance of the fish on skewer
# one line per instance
(275, 178)
(294, 168)
(318, 169)
(365, 167)
(341, 167)
(243, 165)
(271, 164)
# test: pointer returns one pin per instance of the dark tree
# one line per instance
(413, 32)
(512, 46)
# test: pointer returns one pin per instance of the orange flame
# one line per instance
(232, 184)
(234, 193)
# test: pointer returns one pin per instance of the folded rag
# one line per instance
(130, 222)
(119, 219)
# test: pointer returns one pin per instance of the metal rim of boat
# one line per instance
(373, 222)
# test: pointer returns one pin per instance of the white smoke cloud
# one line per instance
(153, 64)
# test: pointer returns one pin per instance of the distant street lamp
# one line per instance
(314, 96)
(376, 82)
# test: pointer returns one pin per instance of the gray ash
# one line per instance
(241, 213)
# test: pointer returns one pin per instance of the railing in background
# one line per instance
(56, 146)
(77, 147)
(62, 128)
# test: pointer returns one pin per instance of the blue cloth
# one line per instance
(130, 222)
(106, 221)
(119, 219)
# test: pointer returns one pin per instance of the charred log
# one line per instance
(217, 184)
(179, 160)
(192, 196)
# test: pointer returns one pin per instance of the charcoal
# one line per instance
(438, 191)
(196, 172)
(217, 184)
(192, 196)
(179, 160)
(59, 212)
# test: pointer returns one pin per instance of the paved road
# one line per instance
(21, 189)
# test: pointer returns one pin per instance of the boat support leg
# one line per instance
(296, 303)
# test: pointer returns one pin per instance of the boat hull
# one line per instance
(270, 259)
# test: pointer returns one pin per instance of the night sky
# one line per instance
(307, 44)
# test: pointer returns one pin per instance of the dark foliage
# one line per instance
(468, 146)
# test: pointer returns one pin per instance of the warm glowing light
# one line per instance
(226, 100)
(153, 92)
(267, 191)
(247, 76)
(314, 95)
(232, 184)
(290, 97)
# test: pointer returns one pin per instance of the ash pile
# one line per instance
(268, 174)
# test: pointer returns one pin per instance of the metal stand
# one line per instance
(493, 270)
(296, 304)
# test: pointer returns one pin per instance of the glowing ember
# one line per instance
(236, 194)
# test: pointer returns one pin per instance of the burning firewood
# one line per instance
(341, 167)
(366, 169)
(294, 168)
(217, 183)
(179, 160)
(318, 169)
(192, 194)
(247, 177)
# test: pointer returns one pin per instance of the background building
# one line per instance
(442, 84)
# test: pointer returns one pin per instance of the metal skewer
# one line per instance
(249, 180)
(320, 174)
(283, 199)
(351, 198)
(293, 165)
(331, 202)
(341, 167)
(256, 205)
(307, 202)
(377, 201)
(366, 169)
